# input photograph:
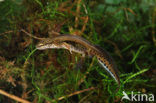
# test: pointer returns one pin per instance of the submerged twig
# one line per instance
(75, 93)
(35, 37)
(13, 97)
(7, 32)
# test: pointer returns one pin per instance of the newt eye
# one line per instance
(40, 44)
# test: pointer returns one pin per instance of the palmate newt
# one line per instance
(92, 50)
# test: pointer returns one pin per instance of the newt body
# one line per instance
(103, 57)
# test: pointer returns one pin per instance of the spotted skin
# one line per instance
(92, 50)
(107, 62)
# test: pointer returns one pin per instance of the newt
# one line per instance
(102, 55)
